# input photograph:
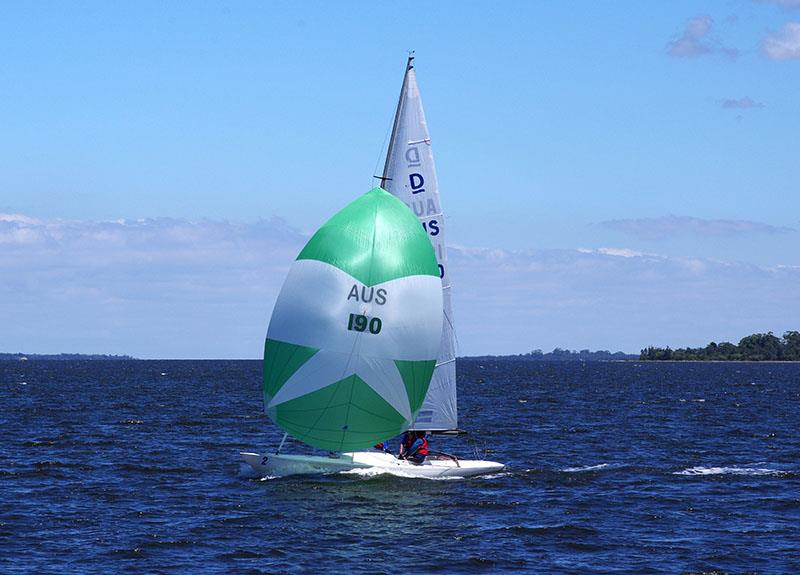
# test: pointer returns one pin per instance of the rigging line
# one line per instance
(397, 114)
(285, 435)
(383, 177)
(380, 154)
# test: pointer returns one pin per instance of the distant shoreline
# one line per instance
(634, 359)
(61, 356)
(630, 358)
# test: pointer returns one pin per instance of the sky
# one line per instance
(614, 175)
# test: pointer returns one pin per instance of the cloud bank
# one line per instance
(175, 288)
(150, 288)
(674, 226)
(613, 298)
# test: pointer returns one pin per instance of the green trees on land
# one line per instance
(756, 347)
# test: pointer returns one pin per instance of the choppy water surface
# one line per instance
(613, 468)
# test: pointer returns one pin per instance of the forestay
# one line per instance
(409, 174)
(356, 328)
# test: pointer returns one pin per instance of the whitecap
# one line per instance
(498, 475)
(369, 472)
(734, 470)
(586, 468)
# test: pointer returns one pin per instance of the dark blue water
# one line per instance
(613, 468)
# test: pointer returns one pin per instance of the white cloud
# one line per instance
(619, 252)
(784, 44)
(696, 40)
(672, 226)
(18, 218)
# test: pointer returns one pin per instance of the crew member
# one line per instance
(417, 451)
(405, 443)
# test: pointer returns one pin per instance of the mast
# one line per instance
(398, 111)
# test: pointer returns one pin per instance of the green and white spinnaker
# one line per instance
(356, 329)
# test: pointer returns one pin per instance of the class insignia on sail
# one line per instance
(356, 329)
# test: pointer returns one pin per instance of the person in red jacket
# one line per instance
(414, 447)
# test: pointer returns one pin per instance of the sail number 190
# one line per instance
(360, 322)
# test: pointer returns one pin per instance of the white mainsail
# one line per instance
(410, 175)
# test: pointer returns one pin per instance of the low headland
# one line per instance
(754, 347)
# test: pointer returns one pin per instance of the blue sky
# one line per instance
(614, 176)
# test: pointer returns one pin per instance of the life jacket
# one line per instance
(423, 449)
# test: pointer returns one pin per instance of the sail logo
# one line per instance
(423, 208)
(417, 183)
(360, 322)
(366, 295)
(432, 227)
(415, 180)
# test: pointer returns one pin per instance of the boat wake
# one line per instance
(734, 470)
(370, 472)
(583, 468)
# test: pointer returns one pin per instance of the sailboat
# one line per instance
(393, 367)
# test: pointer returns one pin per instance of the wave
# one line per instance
(498, 475)
(370, 472)
(39, 443)
(559, 529)
(734, 470)
(154, 469)
(583, 468)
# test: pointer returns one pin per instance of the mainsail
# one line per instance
(353, 338)
(409, 174)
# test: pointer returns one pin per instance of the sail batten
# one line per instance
(409, 173)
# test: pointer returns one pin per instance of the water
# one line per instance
(613, 468)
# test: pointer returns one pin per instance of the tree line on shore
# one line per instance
(755, 347)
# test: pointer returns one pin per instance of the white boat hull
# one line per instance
(280, 465)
